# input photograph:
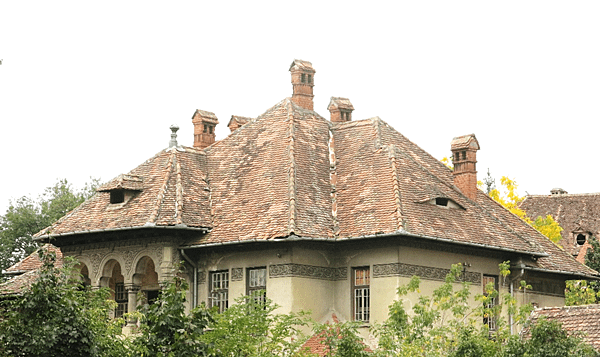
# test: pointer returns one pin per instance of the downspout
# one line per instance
(195, 289)
(512, 291)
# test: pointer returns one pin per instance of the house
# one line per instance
(577, 214)
(327, 215)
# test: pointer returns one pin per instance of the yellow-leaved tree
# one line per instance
(510, 199)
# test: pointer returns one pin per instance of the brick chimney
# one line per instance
(340, 109)
(204, 128)
(464, 156)
(303, 81)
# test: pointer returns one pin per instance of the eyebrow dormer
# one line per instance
(444, 202)
(122, 189)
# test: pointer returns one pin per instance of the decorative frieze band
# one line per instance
(431, 273)
(307, 271)
(237, 274)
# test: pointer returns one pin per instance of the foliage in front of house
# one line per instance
(60, 317)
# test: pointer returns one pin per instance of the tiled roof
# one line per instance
(582, 320)
(174, 193)
(578, 213)
(292, 173)
(316, 343)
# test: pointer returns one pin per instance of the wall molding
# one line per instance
(307, 271)
(424, 272)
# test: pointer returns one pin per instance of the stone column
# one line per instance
(132, 291)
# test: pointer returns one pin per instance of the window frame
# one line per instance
(490, 321)
(361, 305)
(122, 299)
(222, 301)
(253, 290)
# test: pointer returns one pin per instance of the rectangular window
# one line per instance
(361, 293)
(120, 299)
(489, 319)
(219, 289)
(257, 283)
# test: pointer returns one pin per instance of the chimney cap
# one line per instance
(206, 116)
(464, 142)
(302, 65)
(340, 103)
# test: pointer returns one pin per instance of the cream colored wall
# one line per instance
(324, 297)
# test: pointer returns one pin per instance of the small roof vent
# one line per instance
(558, 191)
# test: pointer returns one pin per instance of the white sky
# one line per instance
(91, 88)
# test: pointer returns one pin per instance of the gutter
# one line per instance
(294, 238)
(148, 226)
(579, 275)
(195, 289)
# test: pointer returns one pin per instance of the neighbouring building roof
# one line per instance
(32, 261)
(25, 272)
(576, 214)
(292, 174)
(581, 320)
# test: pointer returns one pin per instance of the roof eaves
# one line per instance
(564, 272)
(293, 238)
(147, 226)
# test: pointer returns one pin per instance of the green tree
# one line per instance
(342, 340)
(167, 330)
(582, 292)
(26, 216)
(549, 339)
(58, 316)
(250, 327)
(447, 323)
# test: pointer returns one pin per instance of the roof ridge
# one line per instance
(178, 192)
(333, 183)
(563, 195)
(291, 168)
(161, 193)
(396, 185)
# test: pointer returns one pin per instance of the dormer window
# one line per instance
(122, 189)
(581, 238)
(117, 196)
(441, 201)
